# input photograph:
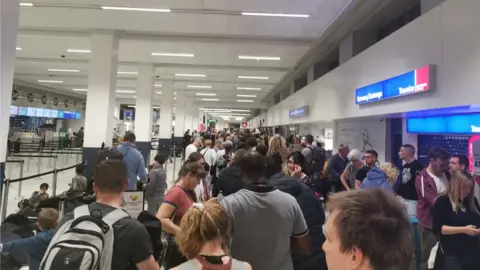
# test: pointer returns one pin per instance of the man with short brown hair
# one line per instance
(367, 229)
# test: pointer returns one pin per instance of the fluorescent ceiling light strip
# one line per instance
(253, 77)
(49, 81)
(275, 14)
(244, 100)
(63, 70)
(80, 89)
(78, 51)
(174, 54)
(18, 49)
(136, 9)
(127, 72)
(249, 88)
(267, 58)
(26, 4)
(159, 92)
(126, 91)
(210, 99)
(253, 96)
(158, 85)
(190, 75)
(200, 86)
(206, 94)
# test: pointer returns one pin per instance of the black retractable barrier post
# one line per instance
(5, 199)
(19, 193)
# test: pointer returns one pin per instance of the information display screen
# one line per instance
(13, 110)
(53, 113)
(46, 113)
(413, 82)
(78, 116)
(38, 112)
(60, 115)
(31, 111)
(447, 124)
(22, 111)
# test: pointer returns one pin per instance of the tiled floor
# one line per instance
(33, 166)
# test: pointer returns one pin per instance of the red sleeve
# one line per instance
(427, 191)
(174, 197)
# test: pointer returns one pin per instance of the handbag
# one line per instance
(168, 242)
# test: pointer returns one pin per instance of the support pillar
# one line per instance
(166, 116)
(102, 82)
(179, 117)
(311, 75)
(188, 114)
(144, 111)
(9, 13)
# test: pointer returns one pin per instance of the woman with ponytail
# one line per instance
(204, 238)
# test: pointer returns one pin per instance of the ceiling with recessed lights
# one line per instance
(222, 52)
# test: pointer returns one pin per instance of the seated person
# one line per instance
(204, 238)
(36, 245)
(38, 196)
(79, 182)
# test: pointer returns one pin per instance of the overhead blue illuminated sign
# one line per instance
(413, 82)
(447, 124)
(299, 112)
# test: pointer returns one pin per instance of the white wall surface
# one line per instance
(75, 125)
(447, 37)
(363, 135)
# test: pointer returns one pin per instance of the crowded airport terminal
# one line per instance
(239, 135)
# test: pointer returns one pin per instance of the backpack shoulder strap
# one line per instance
(114, 216)
(81, 211)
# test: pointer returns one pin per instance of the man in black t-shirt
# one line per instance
(132, 248)
(405, 185)
(371, 157)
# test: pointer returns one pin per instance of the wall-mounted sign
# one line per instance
(446, 124)
(299, 112)
(413, 82)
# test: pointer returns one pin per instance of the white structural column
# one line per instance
(144, 106)
(188, 114)
(102, 81)
(166, 111)
(195, 117)
(9, 10)
(180, 115)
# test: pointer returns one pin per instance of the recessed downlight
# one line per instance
(190, 75)
(49, 81)
(265, 14)
(258, 58)
(253, 77)
(136, 9)
(18, 49)
(26, 4)
(159, 92)
(249, 88)
(63, 70)
(127, 73)
(173, 54)
(78, 51)
(200, 86)
(126, 91)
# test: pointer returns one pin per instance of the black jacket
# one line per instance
(229, 181)
(314, 216)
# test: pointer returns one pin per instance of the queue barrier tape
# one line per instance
(31, 177)
(15, 161)
(38, 156)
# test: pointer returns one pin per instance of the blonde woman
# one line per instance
(383, 177)
(456, 220)
(204, 237)
(279, 153)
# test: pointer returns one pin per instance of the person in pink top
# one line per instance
(430, 183)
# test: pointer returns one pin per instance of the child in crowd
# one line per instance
(79, 182)
(38, 196)
(36, 246)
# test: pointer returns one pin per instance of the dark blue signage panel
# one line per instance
(413, 82)
(299, 112)
(447, 124)
(60, 115)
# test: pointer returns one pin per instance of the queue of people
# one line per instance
(273, 207)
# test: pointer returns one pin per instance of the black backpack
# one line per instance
(318, 159)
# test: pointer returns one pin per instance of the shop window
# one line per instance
(454, 144)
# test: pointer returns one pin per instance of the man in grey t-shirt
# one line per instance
(265, 221)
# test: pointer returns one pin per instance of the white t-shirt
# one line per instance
(210, 156)
(440, 182)
(189, 150)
